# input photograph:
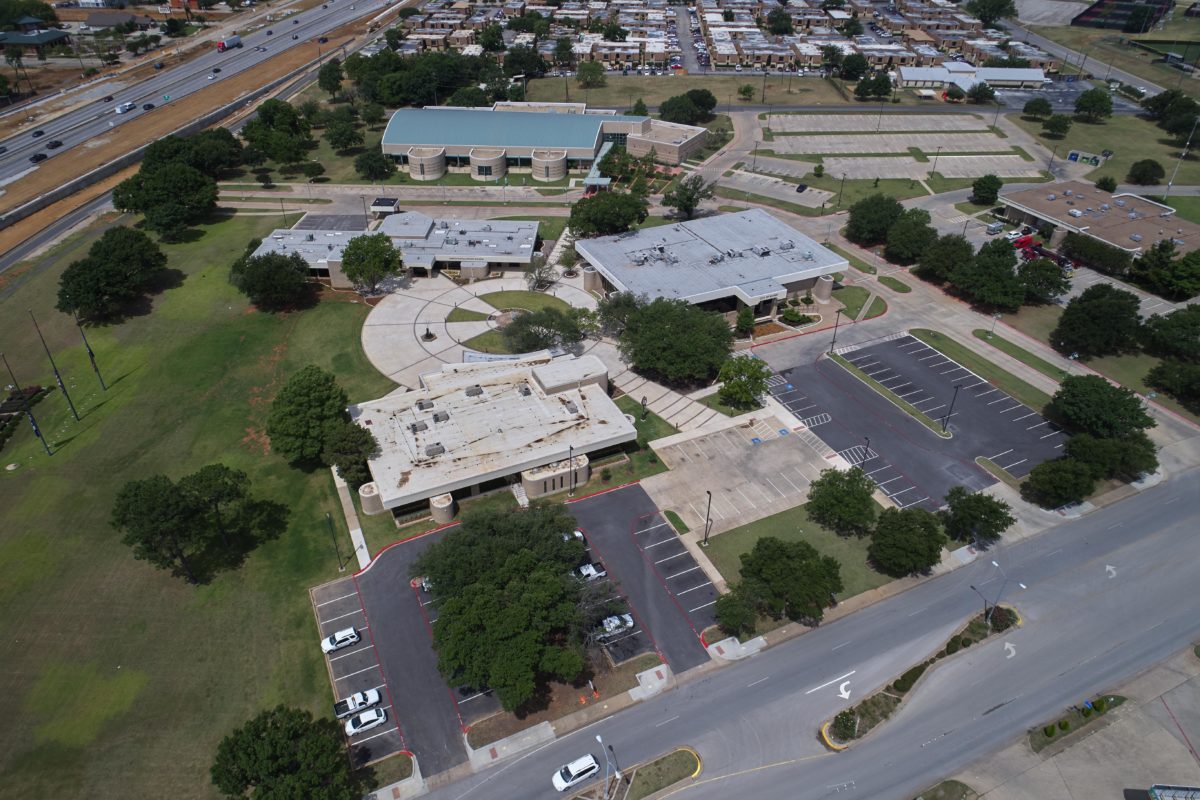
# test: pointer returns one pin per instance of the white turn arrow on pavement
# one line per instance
(844, 690)
(1010, 649)
(1111, 570)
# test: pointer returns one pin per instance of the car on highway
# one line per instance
(323, 39)
(356, 703)
(108, 98)
(124, 108)
(216, 69)
(295, 22)
(36, 157)
(38, 134)
(147, 106)
(295, 36)
(343, 638)
(270, 33)
(575, 773)
(53, 144)
(371, 718)
(211, 77)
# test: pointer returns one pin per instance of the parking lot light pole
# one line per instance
(836, 319)
(336, 549)
(995, 317)
(1006, 582)
(946, 419)
(707, 519)
(985, 603)
(571, 468)
(867, 455)
(935, 159)
(840, 188)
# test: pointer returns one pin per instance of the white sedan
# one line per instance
(343, 638)
(371, 718)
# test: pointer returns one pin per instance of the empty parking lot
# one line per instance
(683, 578)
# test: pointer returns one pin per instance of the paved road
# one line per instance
(98, 118)
(1083, 632)
(1093, 65)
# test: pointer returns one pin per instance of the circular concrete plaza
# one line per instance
(428, 322)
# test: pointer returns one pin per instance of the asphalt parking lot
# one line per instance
(356, 668)
(332, 222)
(612, 522)
(683, 578)
(908, 462)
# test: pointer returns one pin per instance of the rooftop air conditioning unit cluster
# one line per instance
(717, 259)
(788, 245)
(417, 427)
(808, 255)
(474, 391)
(762, 252)
(524, 390)
(441, 416)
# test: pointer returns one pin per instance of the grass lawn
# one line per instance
(488, 342)
(713, 401)
(105, 638)
(1185, 207)
(939, 184)
(720, 124)
(878, 308)
(676, 521)
(855, 190)
(661, 773)
(854, 260)
(622, 91)
(652, 427)
(895, 285)
(548, 227)
(1130, 138)
(852, 297)
(1105, 46)
(465, 315)
(1021, 354)
(1074, 719)
(971, 208)
(949, 790)
(794, 525)
(530, 301)
(1006, 381)
(1035, 321)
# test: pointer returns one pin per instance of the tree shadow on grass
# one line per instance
(261, 521)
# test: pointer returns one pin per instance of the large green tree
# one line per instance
(369, 259)
(273, 281)
(374, 166)
(990, 278)
(779, 22)
(1043, 280)
(1174, 335)
(1038, 107)
(910, 236)
(308, 407)
(1090, 404)
(172, 197)
(871, 218)
(509, 611)
(330, 77)
(687, 195)
(974, 516)
(676, 341)
(544, 329)
(986, 190)
(1060, 482)
(854, 66)
(285, 753)
(944, 256)
(158, 522)
(989, 12)
(607, 213)
(1094, 105)
(1126, 458)
(906, 541)
(590, 75)
(347, 447)
(1146, 172)
(121, 266)
(680, 109)
(841, 501)
(743, 380)
(1179, 379)
(343, 136)
(1103, 320)
(1056, 125)
(789, 579)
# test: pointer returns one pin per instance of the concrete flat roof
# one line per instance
(750, 255)
(424, 240)
(1113, 219)
(473, 422)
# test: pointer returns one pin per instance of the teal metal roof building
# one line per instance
(512, 130)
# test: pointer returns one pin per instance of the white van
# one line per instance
(124, 107)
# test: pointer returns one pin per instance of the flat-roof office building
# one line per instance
(543, 144)
(720, 263)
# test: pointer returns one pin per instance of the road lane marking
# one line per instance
(757, 682)
(840, 646)
(666, 721)
(832, 682)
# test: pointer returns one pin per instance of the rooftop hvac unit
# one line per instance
(1104, 206)
(732, 253)
(1119, 202)
(474, 391)
(435, 449)
(524, 390)
(1132, 215)
(443, 224)
(788, 245)
(571, 407)
(441, 416)
(717, 259)
(659, 248)
(762, 252)
(1067, 192)
(1137, 237)
(487, 227)
(808, 255)
(417, 427)
(1075, 212)
(424, 405)
(309, 238)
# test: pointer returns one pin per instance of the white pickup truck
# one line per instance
(355, 703)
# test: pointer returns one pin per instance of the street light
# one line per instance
(707, 519)
(1007, 580)
(935, 160)
(985, 602)
(571, 467)
(867, 454)
(840, 188)
(946, 419)
(608, 764)
(993, 330)
(837, 318)
(1182, 156)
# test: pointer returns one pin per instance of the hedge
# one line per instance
(1096, 254)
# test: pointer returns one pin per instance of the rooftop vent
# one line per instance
(1132, 215)
(788, 245)
(1119, 202)
(808, 255)
(309, 238)
(474, 391)
(417, 427)
(717, 259)
(441, 416)
(1067, 192)
(524, 390)
(571, 407)
(435, 449)
(424, 405)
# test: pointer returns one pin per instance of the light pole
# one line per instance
(336, 549)
(867, 454)
(707, 519)
(1182, 156)
(837, 318)
(88, 347)
(985, 602)
(935, 160)
(571, 467)
(754, 160)
(1007, 580)
(995, 317)
(28, 410)
(1050, 165)
(946, 419)
(62, 387)
(840, 188)
(609, 766)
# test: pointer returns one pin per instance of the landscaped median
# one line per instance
(647, 779)
(859, 720)
(907, 408)
(1075, 718)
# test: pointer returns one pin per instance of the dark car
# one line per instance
(36, 157)
(270, 33)
(147, 106)
(38, 134)
(158, 65)
(108, 98)
(800, 187)
(216, 69)
(3, 149)
(295, 36)
(53, 144)
(323, 39)
(295, 22)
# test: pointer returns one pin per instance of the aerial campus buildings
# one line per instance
(539, 140)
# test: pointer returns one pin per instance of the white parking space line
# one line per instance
(973, 385)
(1001, 400)
(952, 369)
(1040, 424)
(1006, 452)
(931, 410)
(985, 394)
(881, 469)
(376, 736)
(352, 674)
(652, 527)
(738, 489)
(694, 588)
(789, 480)
(1012, 408)
(334, 600)
(1048, 435)
(906, 394)
(885, 483)
(914, 502)
(623, 638)
(929, 399)
(351, 653)
(656, 544)
(1027, 416)
(1015, 463)
(706, 605)
(668, 558)
(926, 358)
(343, 616)
(773, 486)
(684, 572)
(902, 491)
